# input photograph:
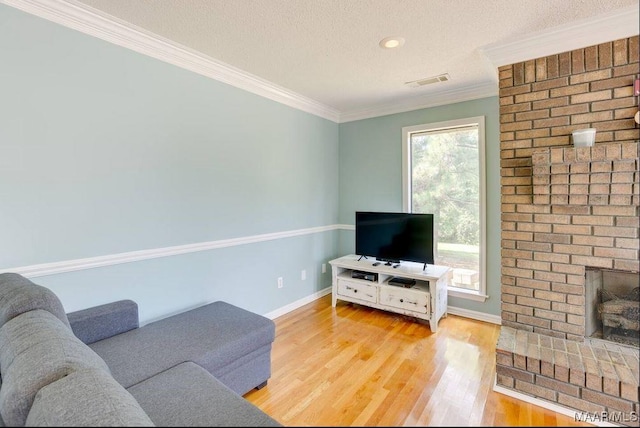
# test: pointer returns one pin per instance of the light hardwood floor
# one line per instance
(356, 366)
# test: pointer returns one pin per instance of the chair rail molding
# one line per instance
(53, 268)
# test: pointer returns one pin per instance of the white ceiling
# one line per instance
(327, 50)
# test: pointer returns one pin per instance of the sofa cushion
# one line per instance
(37, 349)
(187, 395)
(19, 295)
(214, 336)
(89, 398)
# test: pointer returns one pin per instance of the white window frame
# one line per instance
(481, 294)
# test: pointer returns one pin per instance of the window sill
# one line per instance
(469, 295)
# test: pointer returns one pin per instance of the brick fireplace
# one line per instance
(568, 212)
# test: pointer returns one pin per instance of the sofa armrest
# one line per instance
(100, 322)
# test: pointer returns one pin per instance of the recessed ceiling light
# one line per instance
(391, 42)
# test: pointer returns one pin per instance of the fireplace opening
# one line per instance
(612, 310)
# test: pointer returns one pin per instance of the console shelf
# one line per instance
(426, 299)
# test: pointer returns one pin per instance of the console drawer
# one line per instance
(357, 290)
(405, 298)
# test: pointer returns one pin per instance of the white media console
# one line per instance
(426, 299)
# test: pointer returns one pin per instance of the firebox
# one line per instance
(612, 302)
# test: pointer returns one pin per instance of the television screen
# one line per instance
(393, 237)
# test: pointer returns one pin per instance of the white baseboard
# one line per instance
(494, 319)
(480, 316)
(308, 299)
(298, 303)
(547, 405)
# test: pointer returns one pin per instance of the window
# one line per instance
(443, 169)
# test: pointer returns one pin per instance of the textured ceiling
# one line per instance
(327, 50)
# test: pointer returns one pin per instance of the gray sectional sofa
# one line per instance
(98, 367)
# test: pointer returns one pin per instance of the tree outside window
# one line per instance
(444, 176)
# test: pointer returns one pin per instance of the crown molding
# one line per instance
(611, 26)
(452, 96)
(98, 24)
(78, 16)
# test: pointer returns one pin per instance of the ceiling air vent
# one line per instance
(429, 80)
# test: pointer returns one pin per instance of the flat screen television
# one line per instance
(395, 237)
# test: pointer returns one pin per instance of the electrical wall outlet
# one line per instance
(303, 275)
(280, 282)
(324, 268)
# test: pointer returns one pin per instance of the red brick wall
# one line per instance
(565, 208)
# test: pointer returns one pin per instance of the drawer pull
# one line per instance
(401, 300)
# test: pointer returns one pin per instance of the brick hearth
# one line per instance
(566, 210)
(594, 376)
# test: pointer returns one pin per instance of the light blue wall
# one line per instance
(371, 177)
(104, 151)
